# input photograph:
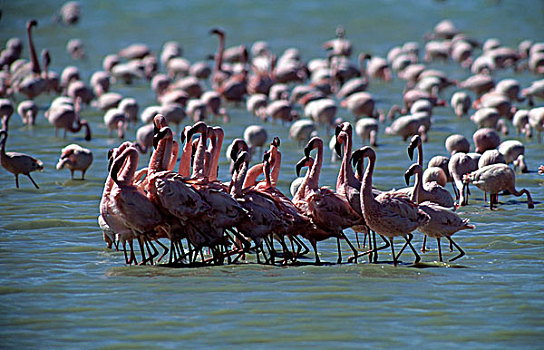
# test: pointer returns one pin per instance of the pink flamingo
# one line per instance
(328, 210)
(391, 213)
(443, 221)
(18, 163)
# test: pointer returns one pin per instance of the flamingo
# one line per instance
(100, 82)
(514, 152)
(130, 203)
(255, 136)
(362, 104)
(69, 13)
(18, 163)
(264, 217)
(302, 130)
(460, 102)
(429, 191)
(64, 116)
(328, 210)
(108, 219)
(536, 119)
(459, 165)
(485, 139)
(297, 223)
(28, 110)
(521, 122)
(6, 110)
(442, 221)
(231, 87)
(116, 119)
(391, 213)
(32, 84)
(178, 200)
(495, 178)
(225, 212)
(75, 157)
(491, 156)
(457, 143)
(432, 191)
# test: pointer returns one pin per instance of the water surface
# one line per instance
(61, 288)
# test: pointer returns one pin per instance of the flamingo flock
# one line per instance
(198, 219)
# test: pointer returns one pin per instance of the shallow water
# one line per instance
(61, 288)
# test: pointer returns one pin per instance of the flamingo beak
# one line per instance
(301, 163)
(411, 151)
(407, 176)
(338, 148)
(337, 130)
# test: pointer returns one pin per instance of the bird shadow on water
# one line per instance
(380, 269)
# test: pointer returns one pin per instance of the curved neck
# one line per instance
(419, 154)
(219, 135)
(124, 167)
(200, 156)
(46, 60)
(347, 175)
(174, 156)
(3, 139)
(185, 160)
(33, 57)
(238, 179)
(276, 165)
(418, 187)
(366, 184)
(266, 169)
(160, 159)
(315, 170)
(252, 174)
(219, 55)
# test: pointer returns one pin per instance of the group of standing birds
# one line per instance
(191, 205)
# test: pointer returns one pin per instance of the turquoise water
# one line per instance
(61, 288)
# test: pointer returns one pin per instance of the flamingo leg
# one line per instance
(314, 245)
(125, 252)
(301, 244)
(357, 240)
(165, 248)
(423, 246)
(455, 191)
(439, 249)
(141, 250)
(339, 250)
(408, 239)
(132, 258)
(351, 246)
(172, 256)
(33, 182)
(393, 251)
(386, 245)
(458, 248)
(271, 251)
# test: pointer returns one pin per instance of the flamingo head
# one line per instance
(31, 23)
(237, 146)
(306, 161)
(242, 158)
(413, 169)
(217, 31)
(161, 134)
(414, 143)
(315, 142)
(275, 142)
